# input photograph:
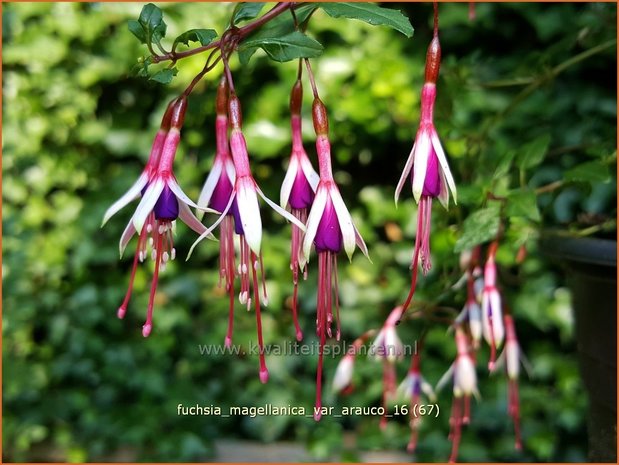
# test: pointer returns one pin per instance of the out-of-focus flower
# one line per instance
(464, 378)
(491, 307)
(388, 348)
(412, 387)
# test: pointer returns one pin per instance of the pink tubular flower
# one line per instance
(297, 192)
(512, 355)
(462, 372)
(388, 348)
(471, 313)
(491, 307)
(243, 203)
(329, 228)
(163, 201)
(412, 387)
(431, 176)
(216, 194)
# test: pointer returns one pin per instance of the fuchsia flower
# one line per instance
(388, 347)
(329, 228)
(491, 307)
(462, 372)
(430, 176)
(163, 201)
(216, 194)
(512, 356)
(297, 192)
(412, 387)
(342, 381)
(471, 313)
(243, 203)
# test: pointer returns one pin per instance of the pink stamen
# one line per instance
(148, 325)
(456, 428)
(327, 271)
(264, 372)
(122, 310)
(514, 411)
(295, 250)
(415, 262)
(227, 269)
(337, 299)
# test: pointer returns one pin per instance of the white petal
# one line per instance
(126, 237)
(147, 203)
(130, 195)
(424, 145)
(405, 174)
(291, 174)
(443, 194)
(442, 160)
(281, 211)
(209, 186)
(343, 373)
(426, 388)
(310, 173)
(361, 244)
(182, 197)
(313, 220)
(210, 230)
(444, 379)
(406, 386)
(249, 212)
(345, 221)
(230, 171)
(190, 220)
(512, 357)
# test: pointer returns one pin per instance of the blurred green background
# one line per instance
(81, 385)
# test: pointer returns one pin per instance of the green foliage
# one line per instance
(284, 48)
(204, 36)
(80, 385)
(246, 10)
(370, 13)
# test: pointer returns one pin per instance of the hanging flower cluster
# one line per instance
(320, 222)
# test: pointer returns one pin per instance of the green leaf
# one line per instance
(164, 76)
(246, 10)
(371, 14)
(246, 54)
(137, 30)
(522, 203)
(591, 171)
(285, 48)
(151, 19)
(204, 36)
(505, 164)
(479, 227)
(533, 153)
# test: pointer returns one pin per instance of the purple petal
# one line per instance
(301, 195)
(329, 234)
(234, 211)
(166, 207)
(432, 181)
(221, 193)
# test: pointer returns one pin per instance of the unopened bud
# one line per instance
(221, 103)
(165, 121)
(433, 60)
(234, 112)
(177, 116)
(522, 254)
(296, 98)
(319, 117)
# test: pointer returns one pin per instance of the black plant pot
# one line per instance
(591, 267)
